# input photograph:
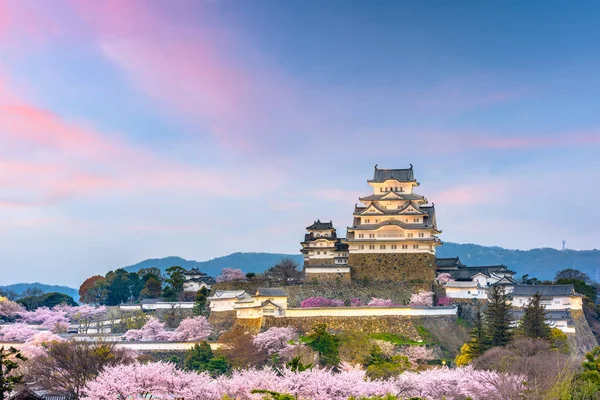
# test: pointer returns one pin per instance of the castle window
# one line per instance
(405, 246)
(402, 189)
(421, 234)
(360, 235)
(406, 220)
(371, 235)
(394, 247)
(362, 246)
(416, 220)
(372, 247)
(409, 235)
(382, 247)
(415, 246)
(380, 190)
(318, 253)
(376, 221)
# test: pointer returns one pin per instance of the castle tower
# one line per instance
(393, 235)
(325, 255)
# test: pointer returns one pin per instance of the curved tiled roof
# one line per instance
(400, 175)
(318, 225)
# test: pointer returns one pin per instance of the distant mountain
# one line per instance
(541, 263)
(248, 262)
(19, 288)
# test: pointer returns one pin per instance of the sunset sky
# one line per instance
(142, 129)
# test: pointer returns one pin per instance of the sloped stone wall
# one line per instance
(337, 277)
(400, 325)
(221, 321)
(398, 267)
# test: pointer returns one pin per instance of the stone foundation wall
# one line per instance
(221, 321)
(398, 267)
(336, 277)
(320, 261)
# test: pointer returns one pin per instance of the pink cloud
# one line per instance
(491, 191)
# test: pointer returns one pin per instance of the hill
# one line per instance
(19, 288)
(541, 263)
(248, 262)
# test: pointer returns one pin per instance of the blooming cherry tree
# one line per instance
(230, 274)
(354, 302)
(275, 339)
(37, 345)
(320, 301)
(375, 302)
(192, 330)
(10, 309)
(153, 330)
(443, 278)
(421, 299)
(19, 332)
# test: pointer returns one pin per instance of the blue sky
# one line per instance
(141, 129)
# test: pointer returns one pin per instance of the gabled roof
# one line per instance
(318, 225)
(543, 290)
(400, 175)
(270, 292)
(227, 294)
(401, 196)
(551, 315)
(194, 271)
(449, 263)
(263, 304)
(507, 280)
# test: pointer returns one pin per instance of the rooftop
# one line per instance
(226, 294)
(318, 225)
(400, 175)
(194, 271)
(452, 262)
(543, 290)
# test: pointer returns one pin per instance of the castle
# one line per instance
(392, 237)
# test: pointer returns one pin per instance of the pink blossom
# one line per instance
(421, 299)
(153, 330)
(418, 353)
(275, 339)
(375, 302)
(16, 332)
(230, 274)
(354, 302)
(320, 301)
(37, 345)
(444, 301)
(443, 278)
(10, 309)
(192, 330)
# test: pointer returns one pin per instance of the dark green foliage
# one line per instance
(381, 366)
(200, 302)
(296, 365)
(325, 343)
(497, 322)
(169, 294)
(581, 287)
(533, 324)
(250, 276)
(152, 289)
(478, 344)
(201, 358)
(46, 300)
(175, 279)
(8, 367)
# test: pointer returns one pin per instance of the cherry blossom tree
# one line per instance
(354, 302)
(151, 381)
(18, 332)
(421, 299)
(320, 301)
(192, 330)
(37, 345)
(10, 309)
(418, 353)
(444, 301)
(275, 339)
(443, 278)
(153, 330)
(230, 274)
(375, 302)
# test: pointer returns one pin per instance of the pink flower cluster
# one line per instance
(375, 302)
(10, 309)
(18, 332)
(443, 278)
(354, 302)
(275, 339)
(37, 345)
(321, 301)
(230, 274)
(189, 330)
(164, 381)
(421, 299)
(54, 319)
(444, 301)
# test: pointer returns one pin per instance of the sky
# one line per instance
(143, 129)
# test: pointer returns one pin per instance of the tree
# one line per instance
(275, 339)
(230, 274)
(16, 332)
(70, 365)
(152, 289)
(197, 358)
(192, 330)
(9, 309)
(32, 292)
(375, 302)
(581, 287)
(321, 301)
(151, 272)
(381, 366)
(325, 343)
(533, 323)
(9, 294)
(571, 273)
(477, 345)
(200, 302)
(152, 330)
(47, 300)
(497, 322)
(421, 299)
(285, 272)
(85, 290)
(175, 279)
(8, 370)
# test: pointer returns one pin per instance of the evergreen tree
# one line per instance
(497, 323)
(198, 357)
(326, 344)
(533, 323)
(8, 366)
(478, 343)
(200, 302)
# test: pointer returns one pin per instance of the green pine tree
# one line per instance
(325, 343)
(8, 366)
(533, 323)
(477, 345)
(200, 302)
(198, 357)
(497, 322)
